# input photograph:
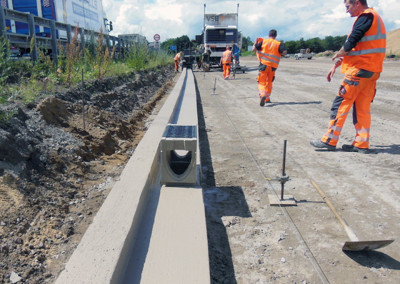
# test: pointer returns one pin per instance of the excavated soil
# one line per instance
(59, 158)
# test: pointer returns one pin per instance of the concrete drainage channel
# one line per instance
(151, 228)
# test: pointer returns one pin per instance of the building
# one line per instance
(137, 38)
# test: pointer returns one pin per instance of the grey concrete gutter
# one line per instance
(126, 229)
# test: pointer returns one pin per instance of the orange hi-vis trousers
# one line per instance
(356, 91)
(176, 65)
(265, 79)
(226, 69)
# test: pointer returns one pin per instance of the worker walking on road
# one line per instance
(226, 61)
(361, 58)
(177, 59)
(269, 52)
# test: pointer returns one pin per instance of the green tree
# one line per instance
(181, 43)
(166, 45)
(292, 46)
(339, 41)
(314, 44)
(246, 42)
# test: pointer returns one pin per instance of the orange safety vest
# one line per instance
(227, 57)
(259, 39)
(369, 52)
(177, 56)
(269, 53)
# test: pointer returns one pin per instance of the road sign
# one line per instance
(157, 37)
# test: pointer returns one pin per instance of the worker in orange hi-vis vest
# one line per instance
(361, 58)
(177, 59)
(226, 61)
(269, 52)
(258, 41)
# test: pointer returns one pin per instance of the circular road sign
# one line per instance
(157, 37)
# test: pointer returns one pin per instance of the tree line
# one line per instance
(316, 44)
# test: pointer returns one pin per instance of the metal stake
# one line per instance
(215, 85)
(289, 200)
(83, 104)
(283, 179)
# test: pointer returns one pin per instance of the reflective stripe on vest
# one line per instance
(227, 57)
(369, 52)
(269, 57)
(269, 54)
(380, 35)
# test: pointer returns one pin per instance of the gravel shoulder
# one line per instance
(251, 241)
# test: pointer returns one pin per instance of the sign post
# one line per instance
(157, 38)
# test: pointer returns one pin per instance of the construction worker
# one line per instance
(226, 61)
(177, 59)
(361, 58)
(269, 52)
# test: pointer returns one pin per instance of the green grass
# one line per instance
(33, 81)
(248, 53)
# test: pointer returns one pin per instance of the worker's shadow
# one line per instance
(374, 259)
(224, 206)
(252, 68)
(390, 149)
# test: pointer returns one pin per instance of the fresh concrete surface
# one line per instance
(178, 250)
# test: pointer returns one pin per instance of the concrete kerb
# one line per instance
(102, 253)
(178, 250)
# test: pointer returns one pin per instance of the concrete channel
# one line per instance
(152, 228)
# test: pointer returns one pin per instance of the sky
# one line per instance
(293, 19)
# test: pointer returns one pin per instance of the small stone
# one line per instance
(19, 241)
(14, 277)
(283, 260)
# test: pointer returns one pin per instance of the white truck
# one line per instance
(304, 53)
(219, 31)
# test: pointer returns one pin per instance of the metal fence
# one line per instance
(60, 33)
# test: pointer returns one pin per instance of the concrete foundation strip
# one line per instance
(176, 249)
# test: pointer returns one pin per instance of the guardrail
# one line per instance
(145, 231)
(56, 29)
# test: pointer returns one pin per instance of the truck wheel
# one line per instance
(309, 58)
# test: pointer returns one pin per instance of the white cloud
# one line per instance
(292, 18)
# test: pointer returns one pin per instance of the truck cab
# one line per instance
(219, 31)
(215, 41)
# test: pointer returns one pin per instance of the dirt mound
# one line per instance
(58, 160)
(393, 43)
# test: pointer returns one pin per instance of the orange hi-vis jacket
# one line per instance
(269, 53)
(227, 57)
(177, 56)
(258, 40)
(369, 52)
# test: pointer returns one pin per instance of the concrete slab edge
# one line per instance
(99, 257)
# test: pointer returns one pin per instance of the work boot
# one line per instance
(352, 148)
(321, 145)
(262, 101)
